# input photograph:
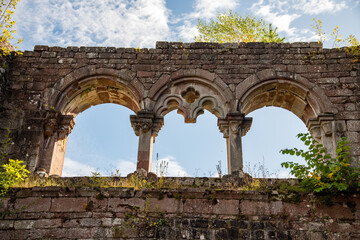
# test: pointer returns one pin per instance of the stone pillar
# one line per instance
(234, 126)
(56, 130)
(322, 129)
(146, 125)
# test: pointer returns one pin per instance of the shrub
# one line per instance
(12, 173)
(324, 174)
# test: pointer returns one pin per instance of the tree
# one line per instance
(230, 27)
(7, 8)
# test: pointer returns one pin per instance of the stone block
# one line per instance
(69, 204)
(33, 204)
(250, 207)
(90, 222)
(202, 206)
(6, 224)
(24, 224)
(165, 205)
(125, 205)
(48, 223)
(353, 125)
(226, 207)
(142, 74)
(41, 48)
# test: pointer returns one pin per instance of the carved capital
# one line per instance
(326, 122)
(146, 121)
(50, 126)
(234, 123)
(323, 125)
(223, 127)
(65, 127)
(60, 124)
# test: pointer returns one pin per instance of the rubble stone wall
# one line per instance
(125, 213)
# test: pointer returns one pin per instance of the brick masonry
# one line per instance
(43, 89)
(193, 213)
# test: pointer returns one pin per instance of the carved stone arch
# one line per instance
(288, 90)
(87, 78)
(295, 93)
(75, 93)
(209, 103)
(177, 90)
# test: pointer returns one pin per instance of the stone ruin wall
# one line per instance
(192, 213)
(43, 90)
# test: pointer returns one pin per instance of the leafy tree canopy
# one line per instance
(231, 27)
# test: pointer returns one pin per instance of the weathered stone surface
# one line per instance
(203, 216)
(50, 83)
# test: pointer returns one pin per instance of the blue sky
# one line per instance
(103, 140)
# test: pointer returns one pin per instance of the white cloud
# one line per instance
(126, 167)
(274, 14)
(203, 9)
(282, 13)
(107, 23)
(318, 6)
(173, 170)
(187, 31)
(73, 168)
(210, 8)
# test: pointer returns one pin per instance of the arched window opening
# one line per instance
(272, 129)
(190, 149)
(102, 141)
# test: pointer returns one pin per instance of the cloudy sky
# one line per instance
(103, 139)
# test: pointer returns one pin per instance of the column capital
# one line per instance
(66, 125)
(323, 123)
(235, 123)
(145, 121)
(60, 124)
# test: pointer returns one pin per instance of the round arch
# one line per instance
(77, 92)
(287, 90)
(292, 92)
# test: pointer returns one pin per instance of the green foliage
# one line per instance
(323, 173)
(230, 27)
(7, 25)
(353, 45)
(12, 173)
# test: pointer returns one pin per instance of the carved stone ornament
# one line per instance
(190, 95)
(322, 124)
(234, 123)
(146, 121)
(50, 127)
(224, 127)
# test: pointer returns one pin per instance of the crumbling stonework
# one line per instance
(125, 213)
(46, 88)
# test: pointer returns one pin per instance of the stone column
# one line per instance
(65, 126)
(146, 125)
(57, 128)
(234, 126)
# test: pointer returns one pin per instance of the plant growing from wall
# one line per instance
(12, 173)
(324, 174)
(7, 25)
(353, 45)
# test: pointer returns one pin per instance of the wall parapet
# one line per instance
(196, 213)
